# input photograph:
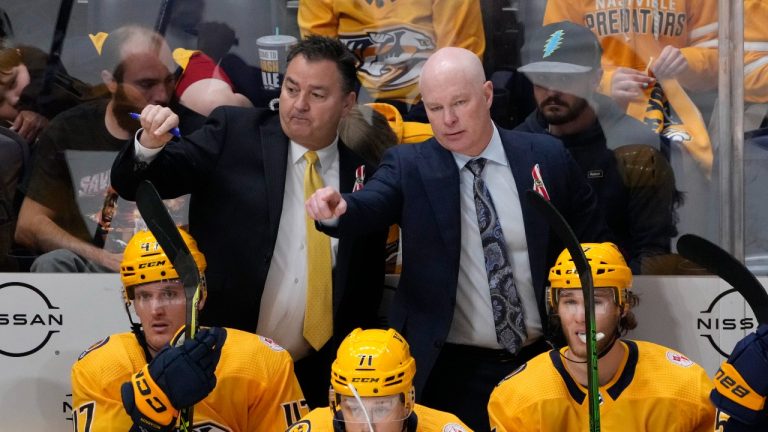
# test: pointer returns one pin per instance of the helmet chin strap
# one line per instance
(139, 333)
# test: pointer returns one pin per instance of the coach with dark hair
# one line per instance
(249, 171)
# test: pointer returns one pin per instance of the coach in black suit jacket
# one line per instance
(238, 168)
(442, 305)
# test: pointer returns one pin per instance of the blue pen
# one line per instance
(175, 131)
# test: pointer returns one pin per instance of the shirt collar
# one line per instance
(494, 152)
(325, 155)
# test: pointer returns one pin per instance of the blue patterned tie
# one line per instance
(507, 310)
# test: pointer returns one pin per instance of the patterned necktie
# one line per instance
(318, 315)
(507, 310)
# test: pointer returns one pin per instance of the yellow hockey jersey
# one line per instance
(632, 34)
(427, 420)
(392, 39)
(755, 51)
(256, 388)
(655, 389)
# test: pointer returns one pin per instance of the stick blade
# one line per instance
(721, 263)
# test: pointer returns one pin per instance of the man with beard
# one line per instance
(137, 71)
(643, 386)
(618, 155)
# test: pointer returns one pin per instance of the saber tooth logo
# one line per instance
(28, 319)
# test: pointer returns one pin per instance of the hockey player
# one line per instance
(643, 386)
(372, 389)
(741, 385)
(135, 381)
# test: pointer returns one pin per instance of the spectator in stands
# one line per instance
(650, 50)
(468, 323)
(14, 151)
(203, 85)
(28, 110)
(618, 155)
(139, 381)
(392, 41)
(137, 71)
(642, 386)
(14, 78)
(755, 63)
(248, 171)
(375, 393)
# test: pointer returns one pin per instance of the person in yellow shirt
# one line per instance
(372, 389)
(653, 51)
(393, 39)
(139, 381)
(643, 386)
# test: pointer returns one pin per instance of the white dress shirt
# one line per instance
(281, 314)
(473, 316)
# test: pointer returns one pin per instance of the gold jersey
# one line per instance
(427, 420)
(392, 39)
(256, 389)
(655, 389)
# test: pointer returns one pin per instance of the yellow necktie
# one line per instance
(318, 315)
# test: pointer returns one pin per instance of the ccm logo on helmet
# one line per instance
(365, 380)
(152, 264)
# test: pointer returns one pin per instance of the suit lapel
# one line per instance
(441, 182)
(348, 163)
(522, 158)
(274, 146)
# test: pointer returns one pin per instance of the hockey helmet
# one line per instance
(373, 363)
(609, 270)
(145, 262)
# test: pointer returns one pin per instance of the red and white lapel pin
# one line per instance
(359, 178)
(538, 182)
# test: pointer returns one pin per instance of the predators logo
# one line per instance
(660, 116)
(390, 59)
(669, 111)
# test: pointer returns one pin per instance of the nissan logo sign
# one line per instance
(28, 320)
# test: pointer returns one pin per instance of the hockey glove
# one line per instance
(177, 377)
(741, 383)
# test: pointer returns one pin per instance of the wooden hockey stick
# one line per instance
(161, 224)
(719, 262)
(566, 234)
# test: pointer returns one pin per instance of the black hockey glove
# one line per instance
(176, 378)
(741, 383)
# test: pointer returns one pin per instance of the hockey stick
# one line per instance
(54, 56)
(564, 231)
(719, 262)
(164, 16)
(161, 224)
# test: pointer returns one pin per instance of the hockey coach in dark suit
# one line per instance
(249, 172)
(475, 254)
